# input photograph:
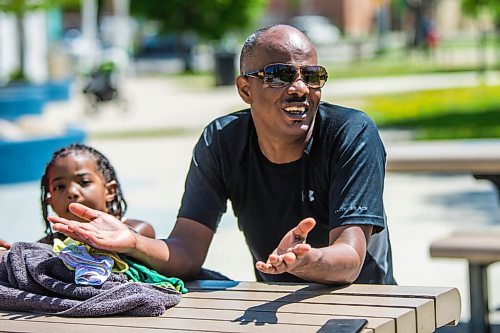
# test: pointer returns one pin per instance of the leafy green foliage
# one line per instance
(18, 76)
(210, 19)
(20, 7)
(441, 114)
(475, 7)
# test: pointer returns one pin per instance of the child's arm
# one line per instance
(141, 227)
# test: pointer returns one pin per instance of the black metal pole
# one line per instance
(479, 312)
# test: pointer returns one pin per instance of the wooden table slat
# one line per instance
(168, 324)
(424, 308)
(228, 306)
(405, 319)
(447, 300)
(378, 325)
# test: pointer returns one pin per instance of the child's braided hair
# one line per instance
(117, 207)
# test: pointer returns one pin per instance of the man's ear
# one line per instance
(111, 190)
(243, 86)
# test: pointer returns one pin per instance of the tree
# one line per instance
(475, 7)
(19, 8)
(210, 20)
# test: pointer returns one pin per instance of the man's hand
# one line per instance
(6, 245)
(103, 231)
(291, 251)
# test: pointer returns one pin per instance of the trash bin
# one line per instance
(224, 68)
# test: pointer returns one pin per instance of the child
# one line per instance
(79, 173)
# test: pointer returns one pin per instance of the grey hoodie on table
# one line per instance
(34, 279)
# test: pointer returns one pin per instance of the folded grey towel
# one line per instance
(33, 279)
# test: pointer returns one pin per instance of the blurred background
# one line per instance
(138, 80)
(69, 47)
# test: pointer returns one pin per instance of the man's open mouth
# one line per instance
(296, 112)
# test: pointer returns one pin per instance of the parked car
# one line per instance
(319, 29)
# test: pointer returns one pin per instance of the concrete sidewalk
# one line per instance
(157, 103)
(420, 208)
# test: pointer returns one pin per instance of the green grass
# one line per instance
(399, 60)
(195, 80)
(440, 114)
(403, 62)
(394, 68)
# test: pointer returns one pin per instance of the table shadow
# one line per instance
(267, 313)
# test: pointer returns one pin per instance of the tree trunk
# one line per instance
(184, 48)
(482, 51)
(21, 75)
(497, 44)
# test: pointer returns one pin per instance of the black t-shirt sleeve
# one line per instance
(204, 198)
(358, 171)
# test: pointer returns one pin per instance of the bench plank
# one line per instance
(464, 156)
(476, 248)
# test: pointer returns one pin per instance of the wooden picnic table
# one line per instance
(480, 158)
(229, 306)
(480, 249)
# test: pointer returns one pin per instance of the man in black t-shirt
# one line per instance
(338, 181)
(305, 180)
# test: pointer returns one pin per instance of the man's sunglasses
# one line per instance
(282, 75)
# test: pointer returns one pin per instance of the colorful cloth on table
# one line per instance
(34, 279)
(119, 266)
(140, 273)
(89, 270)
(92, 266)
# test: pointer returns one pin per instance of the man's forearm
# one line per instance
(336, 264)
(158, 255)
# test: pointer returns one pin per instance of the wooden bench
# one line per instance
(227, 306)
(480, 249)
(480, 158)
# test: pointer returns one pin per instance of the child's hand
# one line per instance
(103, 231)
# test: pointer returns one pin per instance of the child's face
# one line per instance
(75, 178)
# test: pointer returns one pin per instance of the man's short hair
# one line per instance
(250, 44)
(249, 47)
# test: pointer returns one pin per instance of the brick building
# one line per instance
(353, 17)
(359, 17)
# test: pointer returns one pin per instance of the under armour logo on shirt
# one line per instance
(311, 196)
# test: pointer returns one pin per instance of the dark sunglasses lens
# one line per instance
(314, 76)
(279, 75)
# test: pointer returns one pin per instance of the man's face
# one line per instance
(289, 110)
